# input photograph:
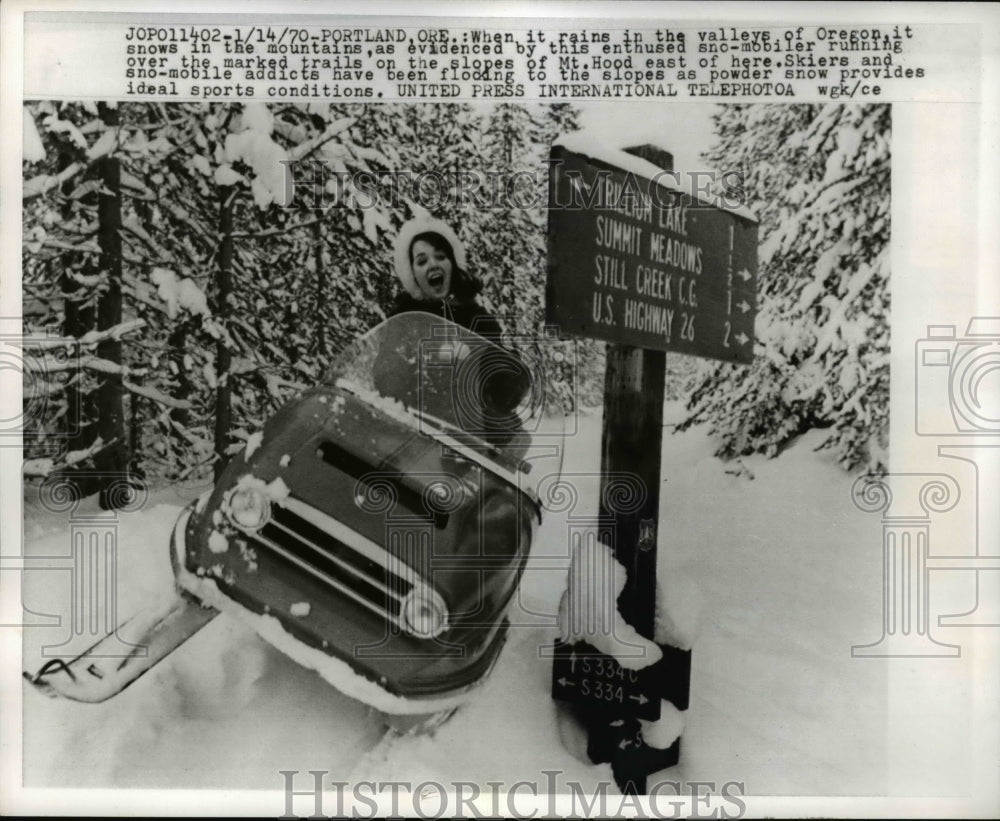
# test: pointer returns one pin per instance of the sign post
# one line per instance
(649, 269)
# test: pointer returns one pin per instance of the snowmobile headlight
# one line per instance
(424, 613)
(248, 508)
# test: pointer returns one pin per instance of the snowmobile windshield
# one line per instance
(459, 388)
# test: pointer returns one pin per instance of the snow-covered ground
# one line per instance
(789, 569)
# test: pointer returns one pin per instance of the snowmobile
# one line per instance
(375, 530)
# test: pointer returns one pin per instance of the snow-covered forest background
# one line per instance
(175, 295)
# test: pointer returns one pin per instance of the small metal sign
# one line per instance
(647, 534)
(583, 675)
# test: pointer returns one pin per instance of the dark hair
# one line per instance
(463, 284)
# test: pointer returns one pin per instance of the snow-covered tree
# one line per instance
(515, 138)
(818, 179)
(80, 252)
(239, 276)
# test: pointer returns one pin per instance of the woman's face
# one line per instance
(431, 269)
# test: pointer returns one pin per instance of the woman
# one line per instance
(430, 264)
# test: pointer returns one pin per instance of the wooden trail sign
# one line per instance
(648, 270)
(636, 262)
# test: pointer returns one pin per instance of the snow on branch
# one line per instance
(44, 183)
(157, 396)
(89, 339)
(51, 365)
(303, 150)
(40, 468)
(90, 246)
(178, 294)
(274, 232)
(131, 225)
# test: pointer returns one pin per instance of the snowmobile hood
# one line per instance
(475, 397)
(418, 441)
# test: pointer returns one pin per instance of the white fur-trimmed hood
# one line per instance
(401, 249)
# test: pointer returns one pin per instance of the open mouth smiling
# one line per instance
(435, 279)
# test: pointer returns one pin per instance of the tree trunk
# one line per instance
(78, 421)
(223, 357)
(112, 459)
(317, 232)
(176, 345)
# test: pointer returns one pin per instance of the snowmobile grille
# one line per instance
(409, 501)
(301, 535)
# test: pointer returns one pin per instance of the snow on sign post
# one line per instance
(635, 261)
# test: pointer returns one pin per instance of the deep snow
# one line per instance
(790, 575)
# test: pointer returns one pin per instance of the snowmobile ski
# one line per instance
(113, 663)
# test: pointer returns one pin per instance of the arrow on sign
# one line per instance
(744, 274)
(743, 305)
(566, 682)
(624, 743)
(742, 338)
(640, 698)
